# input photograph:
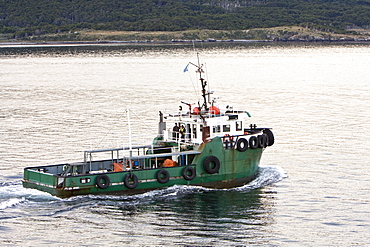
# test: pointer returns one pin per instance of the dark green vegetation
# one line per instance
(23, 18)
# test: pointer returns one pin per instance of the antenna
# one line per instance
(203, 82)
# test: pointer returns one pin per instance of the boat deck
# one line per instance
(148, 158)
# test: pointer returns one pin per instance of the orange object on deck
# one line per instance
(118, 167)
(169, 163)
(214, 110)
(196, 111)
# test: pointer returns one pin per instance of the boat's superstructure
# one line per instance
(203, 145)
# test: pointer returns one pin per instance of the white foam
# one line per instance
(266, 175)
(11, 202)
(12, 194)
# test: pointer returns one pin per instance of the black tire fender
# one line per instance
(186, 171)
(270, 137)
(242, 144)
(208, 167)
(253, 142)
(163, 176)
(100, 184)
(133, 177)
(261, 139)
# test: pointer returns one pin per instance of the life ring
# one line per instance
(253, 142)
(208, 167)
(270, 137)
(163, 176)
(242, 144)
(186, 171)
(133, 178)
(261, 139)
(100, 184)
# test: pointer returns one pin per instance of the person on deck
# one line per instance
(182, 132)
(175, 132)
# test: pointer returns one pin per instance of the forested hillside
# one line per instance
(25, 17)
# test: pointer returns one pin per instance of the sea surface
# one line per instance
(313, 186)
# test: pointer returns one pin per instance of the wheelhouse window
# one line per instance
(238, 125)
(216, 129)
(226, 128)
(194, 131)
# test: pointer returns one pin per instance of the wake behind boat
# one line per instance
(205, 145)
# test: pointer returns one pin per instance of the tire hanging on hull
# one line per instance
(242, 145)
(186, 171)
(253, 142)
(163, 176)
(270, 137)
(128, 184)
(208, 164)
(100, 184)
(262, 141)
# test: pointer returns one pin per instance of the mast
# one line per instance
(203, 83)
(130, 137)
(206, 129)
(204, 94)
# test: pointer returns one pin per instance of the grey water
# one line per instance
(313, 186)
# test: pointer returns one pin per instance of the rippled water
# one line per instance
(313, 185)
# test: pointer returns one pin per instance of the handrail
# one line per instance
(117, 149)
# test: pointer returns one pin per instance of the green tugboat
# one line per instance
(206, 145)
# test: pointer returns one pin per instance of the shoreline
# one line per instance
(113, 42)
(258, 35)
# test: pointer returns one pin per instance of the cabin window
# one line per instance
(226, 128)
(194, 131)
(216, 129)
(188, 132)
(238, 125)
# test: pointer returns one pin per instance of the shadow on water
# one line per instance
(191, 215)
(232, 216)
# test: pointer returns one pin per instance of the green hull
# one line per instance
(236, 168)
